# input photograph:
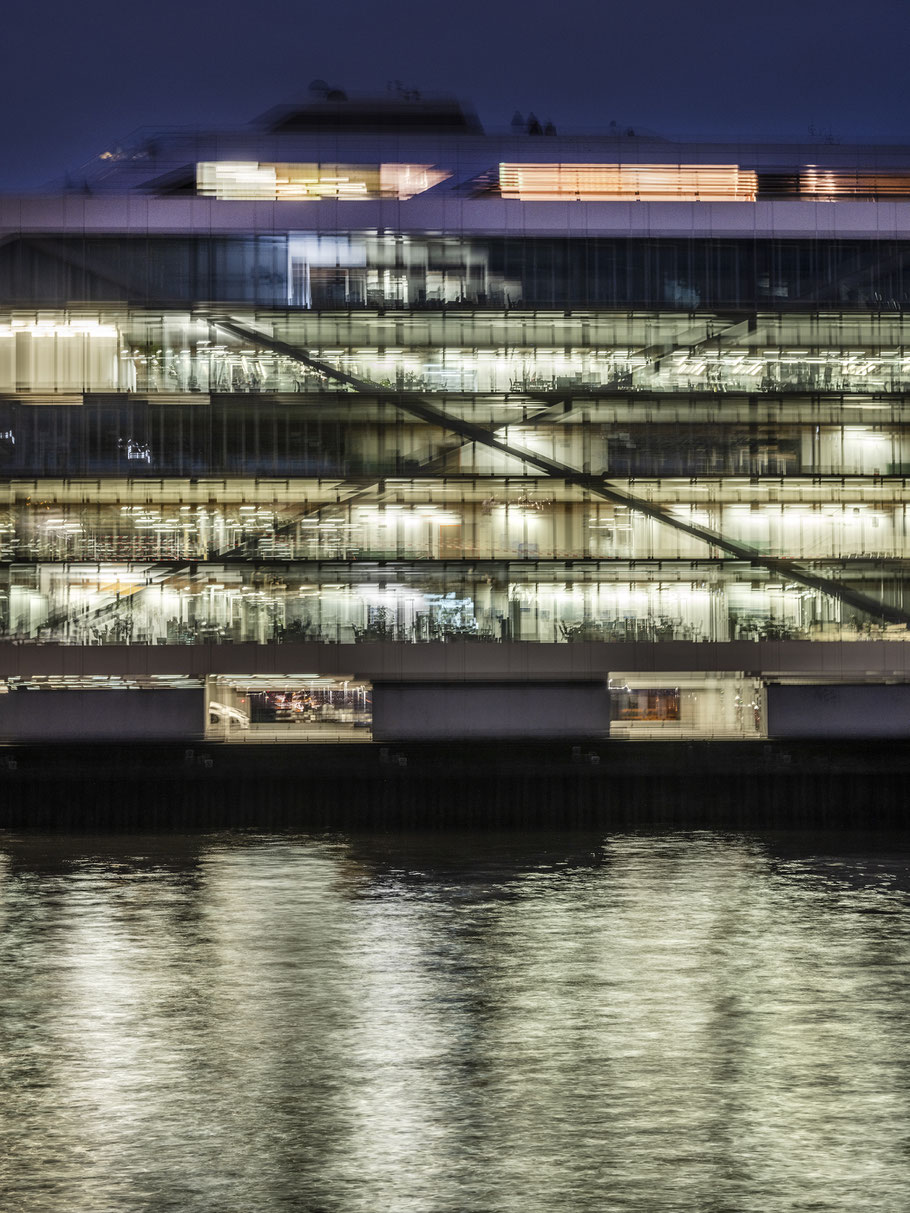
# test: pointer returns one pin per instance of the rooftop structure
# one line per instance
(363, 418)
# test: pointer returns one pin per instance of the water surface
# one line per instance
(441, 1023)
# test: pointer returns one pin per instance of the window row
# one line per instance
(397, 271)
(120, 604)
(529, 529)
(70, 357)
(141, 439)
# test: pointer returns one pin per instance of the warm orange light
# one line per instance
(826, 182)
(627, 182)
(258, 180)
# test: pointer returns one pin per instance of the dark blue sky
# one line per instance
(76, 77)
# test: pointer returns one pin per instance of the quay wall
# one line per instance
(373, 787)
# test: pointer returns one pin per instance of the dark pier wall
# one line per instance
(346, 787)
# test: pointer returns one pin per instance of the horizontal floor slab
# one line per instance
(475, 660)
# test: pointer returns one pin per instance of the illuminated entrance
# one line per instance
(288, 708)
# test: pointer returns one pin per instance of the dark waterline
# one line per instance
(431, 1023)
(597, 786)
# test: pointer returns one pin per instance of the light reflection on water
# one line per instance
(432, 1023)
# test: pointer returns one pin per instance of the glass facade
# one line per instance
(168, 481)
(416, 272)
(264, 434)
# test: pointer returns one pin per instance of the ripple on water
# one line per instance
(440, 1023)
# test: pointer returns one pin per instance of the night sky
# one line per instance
(76, 78)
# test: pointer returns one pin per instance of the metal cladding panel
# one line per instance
(437, 711)
(102, 715)
(838, 711)
(453, 214)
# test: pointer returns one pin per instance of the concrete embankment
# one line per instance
(324, 788)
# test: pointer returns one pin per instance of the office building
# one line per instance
(361, 415)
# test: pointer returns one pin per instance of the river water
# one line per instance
(440, 1023)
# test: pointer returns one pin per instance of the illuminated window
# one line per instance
(650, 705)
(257, 181)
(627, 182)
(821, 182)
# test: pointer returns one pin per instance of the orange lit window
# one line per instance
(833, 183)
(627, 182)
(652, 706)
